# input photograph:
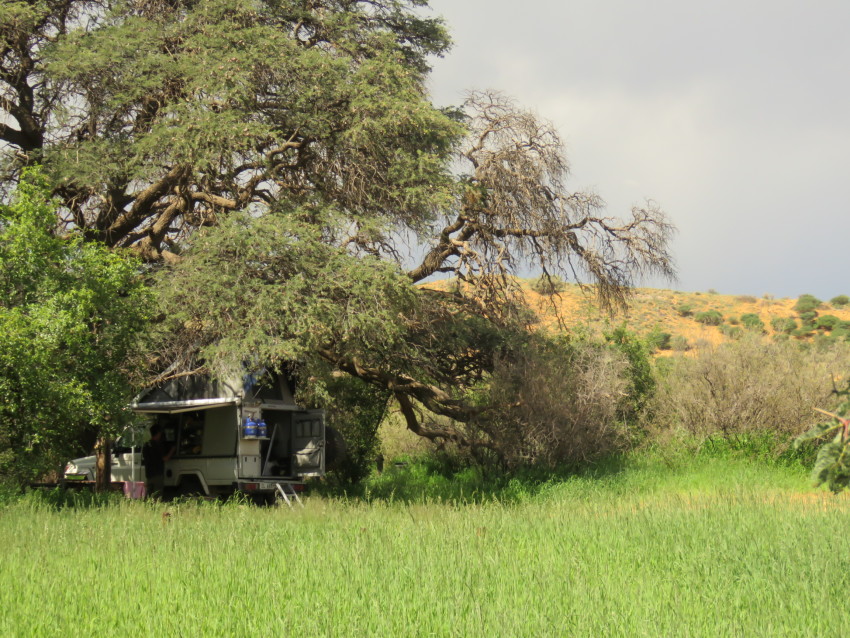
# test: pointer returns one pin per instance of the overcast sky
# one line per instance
(734, 116)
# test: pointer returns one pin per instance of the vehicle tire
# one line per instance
(190, 486)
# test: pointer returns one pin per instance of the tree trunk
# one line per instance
(103, 465)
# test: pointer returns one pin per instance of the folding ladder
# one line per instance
(288, 493)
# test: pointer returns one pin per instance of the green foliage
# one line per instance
(785, 325)
(658, 340)
(840, 301)
(709, 318)
(807, 303)
(679, 343)
(733, 332)
(733, 320)
(354, 409)
(70, 312)
(641, 380)
(827, 322)
(752, 322)
(295, 295)
(832, 466)
(548, 285)
(685, 310)
(236, 102)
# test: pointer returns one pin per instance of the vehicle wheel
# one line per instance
(190, 486)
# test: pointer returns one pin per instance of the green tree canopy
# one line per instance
(284, 156)
(69, 312)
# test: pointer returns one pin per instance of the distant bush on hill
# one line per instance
(733, 332)
(709, 318)
(658, 340)
(840, 301)
(679, 343)
(685, 310)
(807, 303)
(785, 325)
(745, 299)
(827, 322)
(548, 285)
(752, 322)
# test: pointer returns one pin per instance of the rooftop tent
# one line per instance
(198, 392)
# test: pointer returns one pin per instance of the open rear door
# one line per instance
(308, 443)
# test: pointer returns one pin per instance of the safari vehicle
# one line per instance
(214, 453)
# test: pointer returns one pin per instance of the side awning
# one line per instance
(174, 407)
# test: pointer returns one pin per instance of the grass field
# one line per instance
(722, 547)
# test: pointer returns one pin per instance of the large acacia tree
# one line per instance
(283, 156)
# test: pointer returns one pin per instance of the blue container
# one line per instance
(249, 430)
(262, 428)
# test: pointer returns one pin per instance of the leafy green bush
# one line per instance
(752, 322)
(548, 285)
(807, 303)
(824, 341)
(840, 301)
(809, 320)
(785, 325)
(70, 313)
(827, 322)
(733, 332)
(709, 318)
(658, 340)
(355, 410)
(685, 310)
(679, 343)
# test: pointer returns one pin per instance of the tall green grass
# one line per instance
(729, 548)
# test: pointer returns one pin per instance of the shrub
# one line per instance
(556, 404)
(827, 322)
(745, 299)
(752, 322)
(548, 285)
(658, 340)
(733, 321)
(355, 410)
(807, 303)
(679, 343)
(733, 332)
(841, 333)
(709, 318)
(785, 325)
(748, 386)
(840, 301)
(808, 319)
(712, 291)
(685, 310)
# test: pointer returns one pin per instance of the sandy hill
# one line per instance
(681, 315)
